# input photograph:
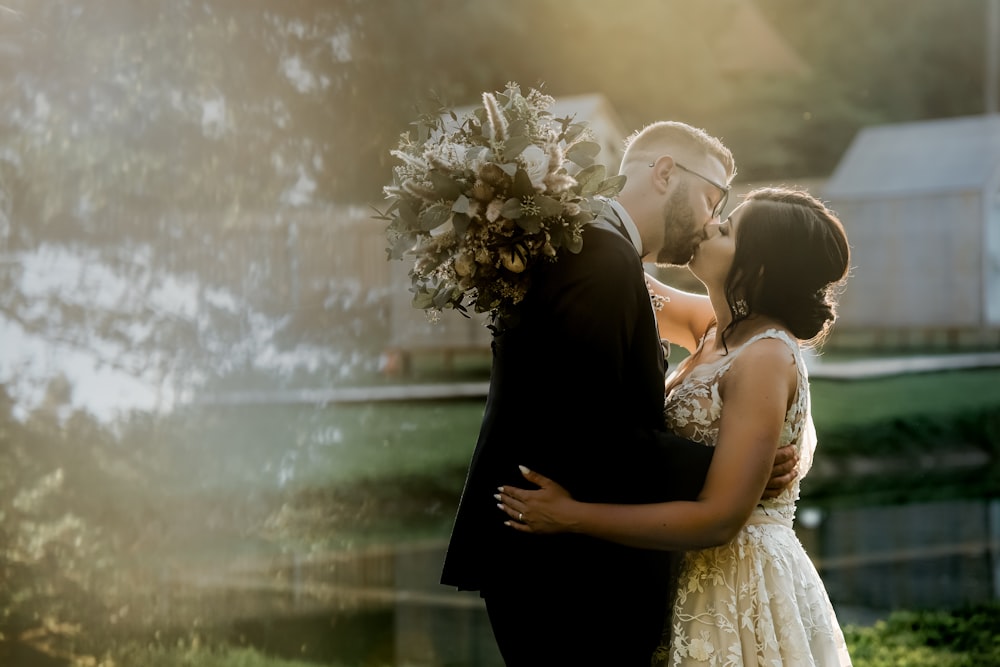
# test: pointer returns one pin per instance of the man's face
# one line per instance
(688, 209)
(681, 229)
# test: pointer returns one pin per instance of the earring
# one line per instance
(741, 308)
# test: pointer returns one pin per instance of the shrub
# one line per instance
(962, 638)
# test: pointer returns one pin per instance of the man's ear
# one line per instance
(662, 169)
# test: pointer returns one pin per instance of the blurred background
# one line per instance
(227, 438)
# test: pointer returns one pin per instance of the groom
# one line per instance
(576, 393)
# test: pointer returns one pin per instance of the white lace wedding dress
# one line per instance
(757, 600)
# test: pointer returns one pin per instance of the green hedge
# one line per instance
(964, 638)
(920, 458)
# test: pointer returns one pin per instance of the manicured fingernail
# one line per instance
(506, 523)
(499, 506)
(497, 496)
(500, 489)
(524, 471)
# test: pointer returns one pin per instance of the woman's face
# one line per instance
(713, 257)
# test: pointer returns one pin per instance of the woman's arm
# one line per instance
(685, 316)
(756, 391)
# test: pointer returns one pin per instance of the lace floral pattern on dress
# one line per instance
(757, 600)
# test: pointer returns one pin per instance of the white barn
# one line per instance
(921, 204)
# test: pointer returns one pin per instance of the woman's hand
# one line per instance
(549, 509)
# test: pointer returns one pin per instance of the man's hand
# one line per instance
(785, 469)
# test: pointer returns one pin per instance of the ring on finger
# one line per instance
(520, 517)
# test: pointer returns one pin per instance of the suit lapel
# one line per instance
(610, 215)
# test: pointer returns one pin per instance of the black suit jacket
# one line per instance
(576, 393)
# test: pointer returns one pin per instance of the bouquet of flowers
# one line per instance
(478, 201)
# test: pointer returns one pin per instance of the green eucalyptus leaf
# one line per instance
(423, 131)
(515, 146)
(589, 209)
(549, 206)
(522, 184)
(461, 222)
(583, 153)
(444, 185)
(423, 299)
(589, 180)
(517, 127)
(530, 223)
(407, 216)
(574, 243)
(556, 235)
(461, 205)
(442, 297)
(610, 187)
(511, 209)
(433, 216)
(574, 130)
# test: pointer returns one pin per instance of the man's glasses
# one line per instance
(721, 206)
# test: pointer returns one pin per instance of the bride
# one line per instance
(747, 592)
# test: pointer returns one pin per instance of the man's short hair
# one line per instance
(649, 143)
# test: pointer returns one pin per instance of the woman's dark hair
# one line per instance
(790, 262)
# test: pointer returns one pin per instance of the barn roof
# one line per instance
(921, 157)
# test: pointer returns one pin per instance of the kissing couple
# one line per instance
(616, 515)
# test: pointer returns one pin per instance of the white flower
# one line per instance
(536, 163)
(716, 408)
(700, 648)
(493, 210)
(441, 230)
(476, 157)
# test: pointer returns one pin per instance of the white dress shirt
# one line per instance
(630, 227)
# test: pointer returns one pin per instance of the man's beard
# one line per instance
(679, 235)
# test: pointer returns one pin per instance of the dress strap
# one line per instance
(804, 422)
(792, 344)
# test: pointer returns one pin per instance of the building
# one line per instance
(921, 204)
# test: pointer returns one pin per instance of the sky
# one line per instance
(106, 381)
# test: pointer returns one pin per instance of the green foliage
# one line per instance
(910, 435)
(839, 404)
(962, 638)
(154, 655)
(61, 527)
(909, 458)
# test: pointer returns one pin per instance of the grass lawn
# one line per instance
(277, 447)
(398, 467)
(839, 403)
